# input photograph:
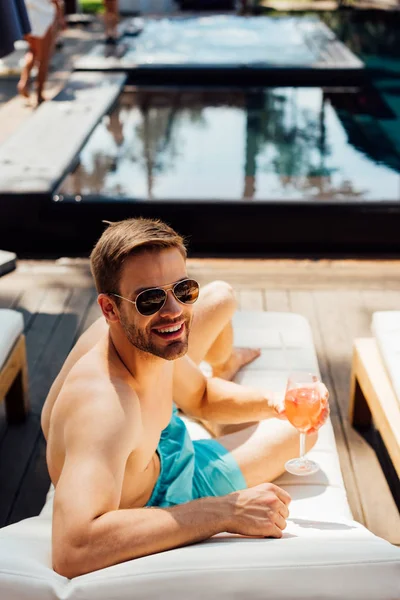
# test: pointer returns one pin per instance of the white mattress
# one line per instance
(386, 329)
(323, 552)
(11, 327)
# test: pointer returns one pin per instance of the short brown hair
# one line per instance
(123, 239)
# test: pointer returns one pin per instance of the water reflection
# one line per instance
(270, 144)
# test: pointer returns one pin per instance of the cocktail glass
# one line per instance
(303, 404)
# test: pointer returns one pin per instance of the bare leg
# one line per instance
(46, 51)
(211, 339)
(30, 57)
(111, 19)
(261, 450)
(211, 335)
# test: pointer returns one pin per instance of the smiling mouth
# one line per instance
(171, 332)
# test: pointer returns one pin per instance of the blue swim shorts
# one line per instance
(192, 469)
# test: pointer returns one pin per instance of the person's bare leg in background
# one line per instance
(30, 59)
(46, 49)
(111, 18)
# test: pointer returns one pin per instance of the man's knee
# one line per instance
(221, 295)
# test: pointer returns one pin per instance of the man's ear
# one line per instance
(108, 308)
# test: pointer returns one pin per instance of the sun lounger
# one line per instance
(375, 390)
(13, 365)
(324, 553)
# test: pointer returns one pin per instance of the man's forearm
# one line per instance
(125, 534)
(228, 403)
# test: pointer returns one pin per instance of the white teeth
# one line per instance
(170, 329)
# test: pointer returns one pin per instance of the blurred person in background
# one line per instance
(111, 17)
(46, 18)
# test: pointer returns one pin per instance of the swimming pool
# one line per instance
(251, 170)
(271, 144)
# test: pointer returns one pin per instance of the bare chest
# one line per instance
(142, 466)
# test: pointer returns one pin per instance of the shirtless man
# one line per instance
(128, 479)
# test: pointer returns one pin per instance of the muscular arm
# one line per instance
(89, 532)
(84, 344)
(217, 400)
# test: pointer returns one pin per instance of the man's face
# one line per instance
(152, 269)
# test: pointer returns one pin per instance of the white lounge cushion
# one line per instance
(386, 329)
(314, 560)
(323, 552)
(11, 327)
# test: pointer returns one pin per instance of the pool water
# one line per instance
(374, 37)
(259, 145)
(283, 144)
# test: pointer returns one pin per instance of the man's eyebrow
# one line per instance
(142, 289)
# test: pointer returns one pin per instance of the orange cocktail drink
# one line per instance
(303, 407)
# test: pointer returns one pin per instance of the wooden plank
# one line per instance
(28, 304)
(63, 125)
(34, 486)
(331, 319)
(285, 274)
(374, 382)
(379, 509)
(303, 303)
(47, 274)
(15, 450)
(251, 300)
(40, 333)
(10, 369)
(59, 346)
(277, 274)
(376, 300)
(9, 298)
(277, 301)
(20, 441)
(91, 316)
(14, 384)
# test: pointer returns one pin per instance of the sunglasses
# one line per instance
(150, 301)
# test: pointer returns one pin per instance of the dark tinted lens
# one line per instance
(150, 301)
(187, 291)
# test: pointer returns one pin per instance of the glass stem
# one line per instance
(302, 445)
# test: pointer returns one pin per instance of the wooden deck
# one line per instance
(58, 302)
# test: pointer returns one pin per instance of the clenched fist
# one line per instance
(261, 510)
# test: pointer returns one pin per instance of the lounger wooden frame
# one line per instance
(372, 396)
(14, 383)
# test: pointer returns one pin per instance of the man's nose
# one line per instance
(172, 307)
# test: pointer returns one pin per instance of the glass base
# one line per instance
(298, 466)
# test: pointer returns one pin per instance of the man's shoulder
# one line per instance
(93, 370)
(94, 385)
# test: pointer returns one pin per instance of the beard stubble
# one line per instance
(142, 340)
